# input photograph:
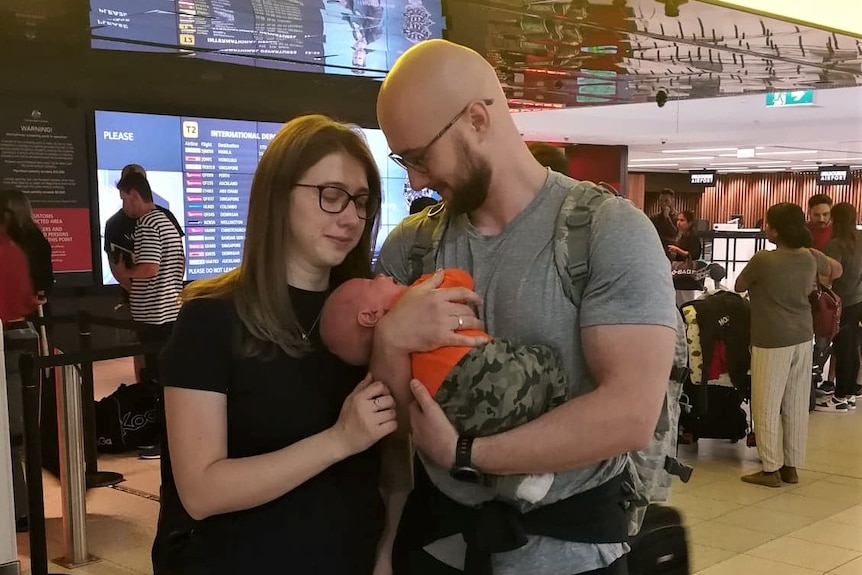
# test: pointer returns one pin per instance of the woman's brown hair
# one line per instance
(259, 287)
(844, 225)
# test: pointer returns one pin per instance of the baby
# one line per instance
(483, 390)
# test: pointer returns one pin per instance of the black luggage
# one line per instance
(660, 548)
(722, 418)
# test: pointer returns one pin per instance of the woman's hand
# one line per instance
(428, 317)
(367, 415)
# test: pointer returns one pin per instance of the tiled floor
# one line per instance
(734, 528)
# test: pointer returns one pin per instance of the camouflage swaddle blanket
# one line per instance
(499, 386)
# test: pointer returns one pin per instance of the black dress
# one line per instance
(332, 523)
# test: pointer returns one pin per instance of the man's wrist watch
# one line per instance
(463, 469)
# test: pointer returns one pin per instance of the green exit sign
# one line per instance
(795, 98)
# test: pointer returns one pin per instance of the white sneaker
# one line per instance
(851, 402)
(832, 405)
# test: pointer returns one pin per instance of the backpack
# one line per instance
(127, 419)
(650, 470)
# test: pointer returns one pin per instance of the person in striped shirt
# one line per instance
(155, 279)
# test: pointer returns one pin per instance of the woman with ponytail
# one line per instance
(779, 282)
(846, 247)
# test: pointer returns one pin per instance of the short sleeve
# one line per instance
(148, 244)
(393, 258)
(630, 277)
(751, 272)
(200, 350)
(823, 267)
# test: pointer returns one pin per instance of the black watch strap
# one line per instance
(464, 452)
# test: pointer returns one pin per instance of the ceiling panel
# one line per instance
(569, 53)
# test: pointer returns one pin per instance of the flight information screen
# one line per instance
(201, 170)
(332, 36)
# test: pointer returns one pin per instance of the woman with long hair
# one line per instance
(32, 241)
(779, 282)
(685, 248)
(846, 247)
(271, 439)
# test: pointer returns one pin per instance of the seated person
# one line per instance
(483, 390)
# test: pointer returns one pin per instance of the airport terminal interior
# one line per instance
(704, 114)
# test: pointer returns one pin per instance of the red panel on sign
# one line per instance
(68, 232)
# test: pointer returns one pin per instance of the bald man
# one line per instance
(446, 120)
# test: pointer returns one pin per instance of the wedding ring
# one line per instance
(460, 322)
(376, 401)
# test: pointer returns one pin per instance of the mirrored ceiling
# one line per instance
(569, 53)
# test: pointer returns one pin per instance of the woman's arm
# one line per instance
(209, 483)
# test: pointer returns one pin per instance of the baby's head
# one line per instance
(351, 313)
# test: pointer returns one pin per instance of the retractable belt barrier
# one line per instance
(73, 374)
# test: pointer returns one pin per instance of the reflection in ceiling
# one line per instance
(569, 53)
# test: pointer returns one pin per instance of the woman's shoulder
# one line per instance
(207, 310)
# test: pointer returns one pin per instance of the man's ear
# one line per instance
(369, 317)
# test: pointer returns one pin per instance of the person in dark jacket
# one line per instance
(665, 221)
(32, 241)
(686, 248)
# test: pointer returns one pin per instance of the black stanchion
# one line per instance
(30, 366)
(33, 452)
(95, 478)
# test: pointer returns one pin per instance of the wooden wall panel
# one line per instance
(752, 194)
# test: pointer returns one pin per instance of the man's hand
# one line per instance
(427, 317)
(433, 434)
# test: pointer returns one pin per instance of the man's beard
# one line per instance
(469, 195)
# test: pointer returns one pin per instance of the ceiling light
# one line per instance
(681, 159)
(794, 152)
(745, 153)
(656, 166)
(834, 160)
(698, 150)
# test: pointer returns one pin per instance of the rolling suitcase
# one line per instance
(661, 547)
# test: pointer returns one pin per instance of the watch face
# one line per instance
(467, 474)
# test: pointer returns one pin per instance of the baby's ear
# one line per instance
(369, 317)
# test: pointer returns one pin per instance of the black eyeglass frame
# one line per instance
(417, 159)
(369, 215)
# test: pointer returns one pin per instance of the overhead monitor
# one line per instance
(833, 175)
(705, 178)
(362, 37)
(201, 169)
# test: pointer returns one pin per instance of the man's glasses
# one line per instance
(416, 160)
(334, 200)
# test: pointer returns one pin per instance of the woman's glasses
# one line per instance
(334, 200)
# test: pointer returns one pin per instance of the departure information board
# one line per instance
(201, 169)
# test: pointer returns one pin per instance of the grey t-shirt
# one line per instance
(523, 301)
(849, 285)
(779, 282)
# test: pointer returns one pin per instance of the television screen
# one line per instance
(362, 37)
(201, 170)
(833, 175)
